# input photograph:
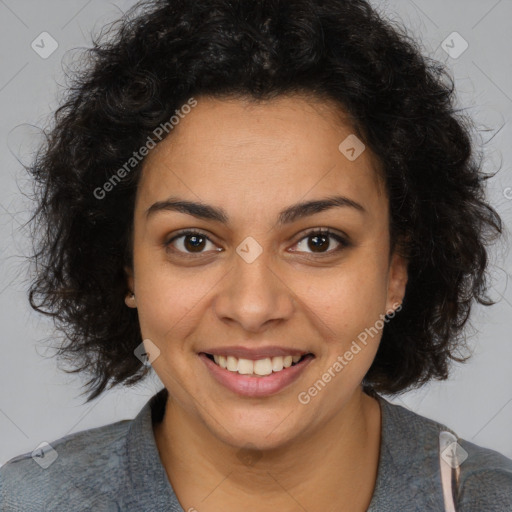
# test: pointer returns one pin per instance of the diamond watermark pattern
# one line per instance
(454, 45)
(352, 147)
(44, 45)
(454, 454)
(44, 455)
(249, 249)
(147, 352)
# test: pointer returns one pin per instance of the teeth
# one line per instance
(277, 364)
(259, 367)
(245, 366)
(263, 366)
(232, 363)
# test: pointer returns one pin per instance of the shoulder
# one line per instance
(413, 445)
(485, 479)
(67, 470)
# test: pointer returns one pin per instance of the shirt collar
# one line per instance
(147, 474)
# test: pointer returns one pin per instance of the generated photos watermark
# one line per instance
(305, 397)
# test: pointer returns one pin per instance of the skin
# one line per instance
(253, 160)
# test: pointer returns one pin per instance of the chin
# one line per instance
(247, 438)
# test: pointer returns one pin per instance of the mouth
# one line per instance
(258, 367)
(256, 378)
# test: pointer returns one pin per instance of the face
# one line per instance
(259, 278)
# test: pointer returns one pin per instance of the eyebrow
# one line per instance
(287, 216)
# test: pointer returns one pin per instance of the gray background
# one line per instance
(40, 403)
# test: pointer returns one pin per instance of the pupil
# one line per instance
(324, 239)
(195, 243)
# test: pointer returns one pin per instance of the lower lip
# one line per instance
(249, 386)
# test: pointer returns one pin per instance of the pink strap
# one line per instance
(450, 469)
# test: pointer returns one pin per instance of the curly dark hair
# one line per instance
(163, 52)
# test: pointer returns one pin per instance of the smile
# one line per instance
(256, 378)
(259, 367)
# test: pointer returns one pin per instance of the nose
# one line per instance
(253, 294)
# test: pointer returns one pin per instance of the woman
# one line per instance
(274, 205)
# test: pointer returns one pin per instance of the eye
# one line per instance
(193, 242)
(189, 242)
(320, 241)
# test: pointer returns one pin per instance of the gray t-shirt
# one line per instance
(117, 467)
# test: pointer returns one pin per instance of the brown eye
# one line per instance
(189, 242)
(319, 242)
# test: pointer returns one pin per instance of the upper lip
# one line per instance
(255, 353)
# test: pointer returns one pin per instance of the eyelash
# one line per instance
(315, 231)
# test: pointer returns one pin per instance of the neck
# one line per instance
(340, 460)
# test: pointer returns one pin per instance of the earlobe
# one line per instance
(129, 299)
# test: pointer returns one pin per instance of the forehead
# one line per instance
(280, 150)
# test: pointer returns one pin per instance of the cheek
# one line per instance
(350, 298)
(164, 308)
(170, 301)
(156, 293)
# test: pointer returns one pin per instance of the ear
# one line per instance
(129, 298)
(397, 281)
